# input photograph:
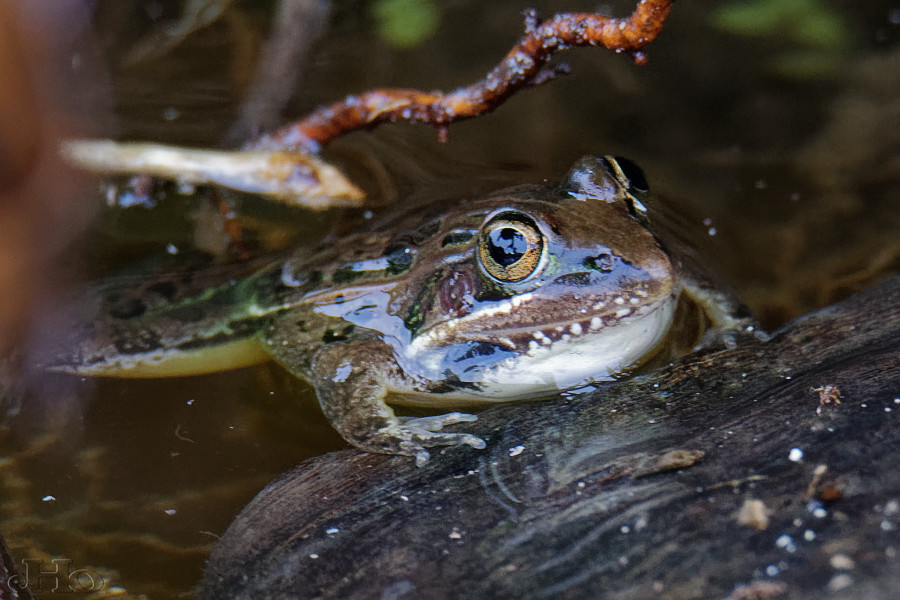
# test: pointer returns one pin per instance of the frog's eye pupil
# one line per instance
(511, 247)
(507, 246)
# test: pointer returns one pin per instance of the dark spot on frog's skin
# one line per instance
(226, 295)
(187, 314)
(333, 336)
(400, 259)
(457, 237)
(456, 293)
(248, 325)
(604, 262)
(346, 274)
(574, 279)
(416, 317)
(428, 230)
(491, 293)
(130, 309)
(166, 289)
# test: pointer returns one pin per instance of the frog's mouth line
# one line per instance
(570, 329)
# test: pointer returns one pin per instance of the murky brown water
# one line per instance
(791, 181)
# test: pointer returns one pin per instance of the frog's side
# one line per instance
(523, 293)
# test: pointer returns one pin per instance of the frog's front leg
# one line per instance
(351, 381)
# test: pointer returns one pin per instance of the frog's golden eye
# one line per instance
(510, 248)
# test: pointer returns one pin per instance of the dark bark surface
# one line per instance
(632, 491)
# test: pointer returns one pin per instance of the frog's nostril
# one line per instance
(603, 262)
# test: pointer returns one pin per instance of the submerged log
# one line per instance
(725, 475)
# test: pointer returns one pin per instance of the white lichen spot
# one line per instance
(619, 300)
(342, 373)
(623, 312)
(516, 450)
(575, 329)
(596, 323)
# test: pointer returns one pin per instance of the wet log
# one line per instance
(728, 474)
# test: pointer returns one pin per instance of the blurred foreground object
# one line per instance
(40, 83)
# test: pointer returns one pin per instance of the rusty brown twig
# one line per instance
(523, 66)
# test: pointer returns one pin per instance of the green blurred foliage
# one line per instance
(405, 23)
(820, 36)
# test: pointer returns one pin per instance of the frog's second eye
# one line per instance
(510, 248)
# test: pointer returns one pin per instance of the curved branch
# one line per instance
(523, 66)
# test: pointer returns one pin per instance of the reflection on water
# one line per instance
(795, 177)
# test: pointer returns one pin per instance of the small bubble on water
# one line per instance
(772, 571)
(786, 542)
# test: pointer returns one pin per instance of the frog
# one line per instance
(514, 295)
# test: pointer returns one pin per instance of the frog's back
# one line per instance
(176, 324)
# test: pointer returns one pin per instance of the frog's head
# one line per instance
(566, 276)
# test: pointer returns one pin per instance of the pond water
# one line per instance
(778, 145)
